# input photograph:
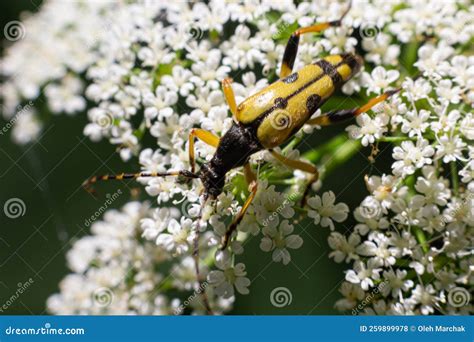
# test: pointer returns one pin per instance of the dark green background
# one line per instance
(47, 176)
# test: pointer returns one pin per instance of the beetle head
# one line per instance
(212, 180)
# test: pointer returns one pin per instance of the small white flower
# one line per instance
(27, 127)
(432, 60)
(467, 126)
(178, 80)
(435, 189)
(158, 105)
(241, 50)
(380, 49)
(210, 70)
(377, 246)
(352, 295)
(446, 123)
(344, 249)
(66, 96)
(382, 188)
(447, 92)
(424, 296)
(179, 237)
(416, 90)
(369, 129)
(339, 39)
(369, 216)
(411, 157)
(395, 283)
(227, 277)
(379, 80)
(204, 100)
(217, 120)
(279, 240)
(270, 204)
(415, 123)
(450, 148)
(324, 210)
(161, 218)
(364, 274)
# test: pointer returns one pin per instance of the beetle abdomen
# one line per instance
(279, 110)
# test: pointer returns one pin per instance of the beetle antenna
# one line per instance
(87, 185)
(338, 22)
(347, 10)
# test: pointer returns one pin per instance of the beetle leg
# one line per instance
(291, 49)
(252, 180)
(230, 97)
(206, 136)
(337, 116)
(299, 165)
(249, 174)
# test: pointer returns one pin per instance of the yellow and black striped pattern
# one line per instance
(284, 106)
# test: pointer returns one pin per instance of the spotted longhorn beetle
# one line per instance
(268, 119)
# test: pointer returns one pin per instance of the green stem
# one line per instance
(334, 153)
(331, 155)
(409, 55)
(278, 181)
(454, 177)
(421, 237)
(395, 139)
(295, 141)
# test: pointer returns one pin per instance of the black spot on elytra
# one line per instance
(330, 70)
(281, 103)
(312, 103)
(291, 78)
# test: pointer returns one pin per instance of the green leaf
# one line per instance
(284, 31)
(409, 56)
(160, 71)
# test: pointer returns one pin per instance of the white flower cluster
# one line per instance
(47, 63)
(116, 272)
(413, 244)
(152, 70)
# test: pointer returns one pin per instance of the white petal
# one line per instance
(294, 241)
